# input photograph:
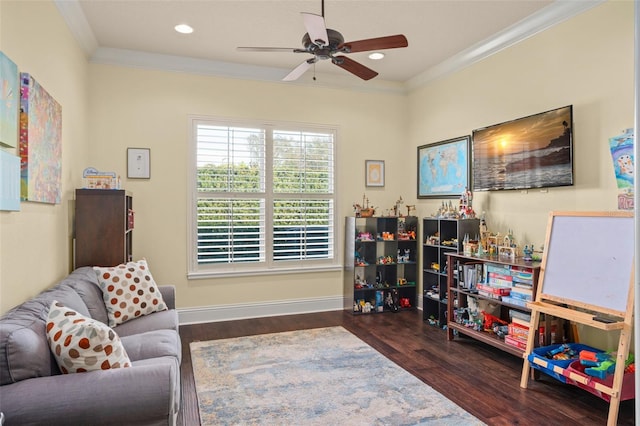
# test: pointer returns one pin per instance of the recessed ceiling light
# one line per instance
(183, 29)
(376, 55)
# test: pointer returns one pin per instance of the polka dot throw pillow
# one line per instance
(80, 344)
(129, 291)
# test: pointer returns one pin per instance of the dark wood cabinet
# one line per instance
(103, 227)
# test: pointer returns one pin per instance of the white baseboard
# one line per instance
(258, 310)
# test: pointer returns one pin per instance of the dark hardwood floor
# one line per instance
(482, 380)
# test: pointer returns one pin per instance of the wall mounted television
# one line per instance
(530, 152)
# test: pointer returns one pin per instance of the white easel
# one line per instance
(587, 275)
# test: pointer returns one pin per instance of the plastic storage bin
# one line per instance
(552, 367)
(628, 385)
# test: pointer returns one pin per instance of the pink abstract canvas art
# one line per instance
(40, 143)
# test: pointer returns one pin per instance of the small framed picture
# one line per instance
(374, 172)
(138, 163)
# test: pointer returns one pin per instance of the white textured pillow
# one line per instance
(80, 344)
(129, 291)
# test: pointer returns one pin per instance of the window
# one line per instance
(262, 198)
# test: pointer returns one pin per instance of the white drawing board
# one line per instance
(589, 260)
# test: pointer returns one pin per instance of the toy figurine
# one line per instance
(389, 300)
(363, 210)
(395, 300)
(410, 208)
(396, 207)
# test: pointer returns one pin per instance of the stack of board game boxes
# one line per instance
(513, 285)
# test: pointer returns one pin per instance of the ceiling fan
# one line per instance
(324, 43)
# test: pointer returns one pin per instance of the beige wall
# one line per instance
(35, 243)
(142, 108)
(586, 61)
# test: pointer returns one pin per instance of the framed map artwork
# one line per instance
(444, 168)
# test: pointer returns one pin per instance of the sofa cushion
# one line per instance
(22, 331)
(164, 320)
(20, 338)
(80, 344)
(129, 291)
(85, 282)
(153, 344)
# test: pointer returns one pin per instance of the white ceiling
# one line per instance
(443, 34)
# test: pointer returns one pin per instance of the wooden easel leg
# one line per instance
(618, 376)
(533, 329)
(614, 406)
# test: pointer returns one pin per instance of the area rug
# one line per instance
(324, 376)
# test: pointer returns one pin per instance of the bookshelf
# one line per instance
(380, 261)
(502, 288)
(439, 237)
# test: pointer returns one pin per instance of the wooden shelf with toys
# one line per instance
(490, 295)
(380, 268)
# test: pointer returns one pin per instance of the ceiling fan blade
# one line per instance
(269, 49)
(316, 28)
(354, 67)
(299, 70)
(379, 43)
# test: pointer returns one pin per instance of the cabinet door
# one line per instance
(102, 234)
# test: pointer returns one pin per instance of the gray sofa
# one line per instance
(33, 391)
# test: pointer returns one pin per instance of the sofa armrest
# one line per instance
(169, 295)
(138, 395)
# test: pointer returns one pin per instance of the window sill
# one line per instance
(200, 275)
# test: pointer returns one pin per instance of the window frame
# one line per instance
(270, 266)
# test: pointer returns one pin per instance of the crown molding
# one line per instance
(78, 25)
(557, 12)
(154, 61)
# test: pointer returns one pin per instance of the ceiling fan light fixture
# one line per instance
(183, 29)
(324, 43)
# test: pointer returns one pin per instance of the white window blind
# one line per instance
(263, 198)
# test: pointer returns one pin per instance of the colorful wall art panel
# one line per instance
(621, 147)
(40, 143)
(9, 101)
(9, 182)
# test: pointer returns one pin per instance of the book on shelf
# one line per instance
(521, 322)
(499, 280)
(522, 293)
(498, 290)
(489, 295)
(515, 342)
(522, 285)
(514, 301)
(471, 275)
(498, 269)
(522, 274)
(519, 332)
(525, 316)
